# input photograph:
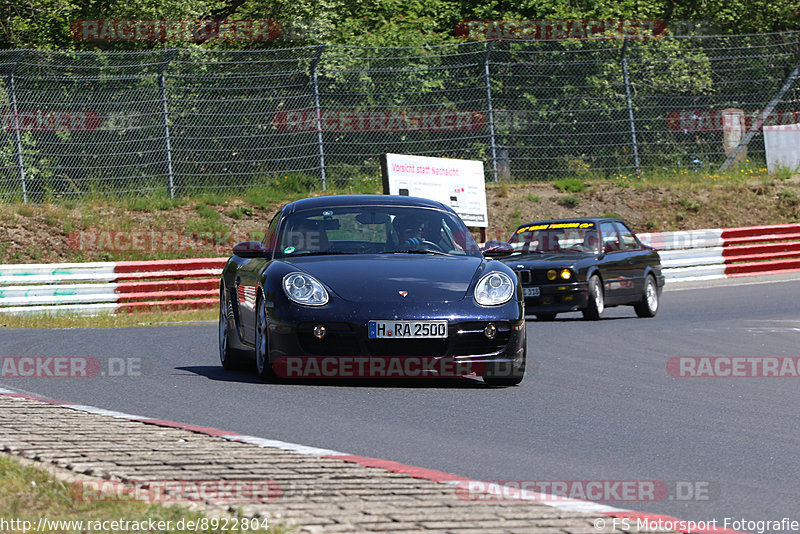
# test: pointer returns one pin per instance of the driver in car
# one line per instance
(410, 231)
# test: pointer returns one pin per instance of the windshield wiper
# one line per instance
(416, 251)
(318, 253)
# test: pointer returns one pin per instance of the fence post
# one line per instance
(12, 96)
(761, 118)
(629, 103)
(318, 115)
(489, 109)
(165, 119)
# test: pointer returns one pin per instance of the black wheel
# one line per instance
(545, 316)
(505, 373)
(596, 306)
(228, 357)
(648, 306)
(263, 365)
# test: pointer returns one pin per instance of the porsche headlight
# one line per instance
(494, 289)
(304, 289)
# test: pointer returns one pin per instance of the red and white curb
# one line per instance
(561, 503)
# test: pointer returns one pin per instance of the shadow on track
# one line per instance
(215, 372)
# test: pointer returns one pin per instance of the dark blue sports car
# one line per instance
(371, 286)
(581, 264)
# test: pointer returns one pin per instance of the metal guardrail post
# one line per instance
(489, 109)
(761, 118)
(165, 118)
(12, 96)
(318, 115)
(629, 104)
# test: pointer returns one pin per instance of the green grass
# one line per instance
(570, 185)
(533, 198)
(28, 494)
(240, 212)
(784, 173)
(689, 204)
(569, 201)
(151, 203)
(105, 320)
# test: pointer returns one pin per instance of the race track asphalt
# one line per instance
(598, 403)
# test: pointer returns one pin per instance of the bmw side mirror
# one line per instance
(250, 249)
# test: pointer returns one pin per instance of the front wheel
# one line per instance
(228, 357)
(594, 310)
(648, 306)
(263, 365)
(504, 374)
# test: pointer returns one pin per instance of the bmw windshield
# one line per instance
(556, 237)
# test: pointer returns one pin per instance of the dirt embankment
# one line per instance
(103, 231)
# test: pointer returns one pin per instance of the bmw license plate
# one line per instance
(407, 329)
(530, 291)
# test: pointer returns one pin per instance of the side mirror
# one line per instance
(250, 249)
(497, 249)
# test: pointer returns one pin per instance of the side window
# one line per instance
(270, 238)
(609, 236)
(628, 239)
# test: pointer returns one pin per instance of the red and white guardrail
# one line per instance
(115, 287)
(134, 286)
(727, 252)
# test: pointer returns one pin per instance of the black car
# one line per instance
(371, 286)
(581, 264)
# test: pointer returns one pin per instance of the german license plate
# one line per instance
(407, 329)
(530, 291)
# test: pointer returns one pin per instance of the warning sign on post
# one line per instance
(458, 183)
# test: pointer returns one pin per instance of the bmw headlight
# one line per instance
(494, 289)
(304, 289)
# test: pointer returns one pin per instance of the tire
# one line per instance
(596, 306)
(263, 365)
(504, 374)
(648, 306)
(229, 358)
(545, 316)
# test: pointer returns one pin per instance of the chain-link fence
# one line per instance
(182, 120)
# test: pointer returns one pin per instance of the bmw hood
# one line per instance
(546, 261)
(371, 278)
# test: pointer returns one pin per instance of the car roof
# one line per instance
(361, 200)
(573, 220)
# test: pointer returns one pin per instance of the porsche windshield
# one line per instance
(556, 237)
(374, 230)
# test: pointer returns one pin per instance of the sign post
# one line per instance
(457, 183)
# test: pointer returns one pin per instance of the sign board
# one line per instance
(457, 183)
(782, 146)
